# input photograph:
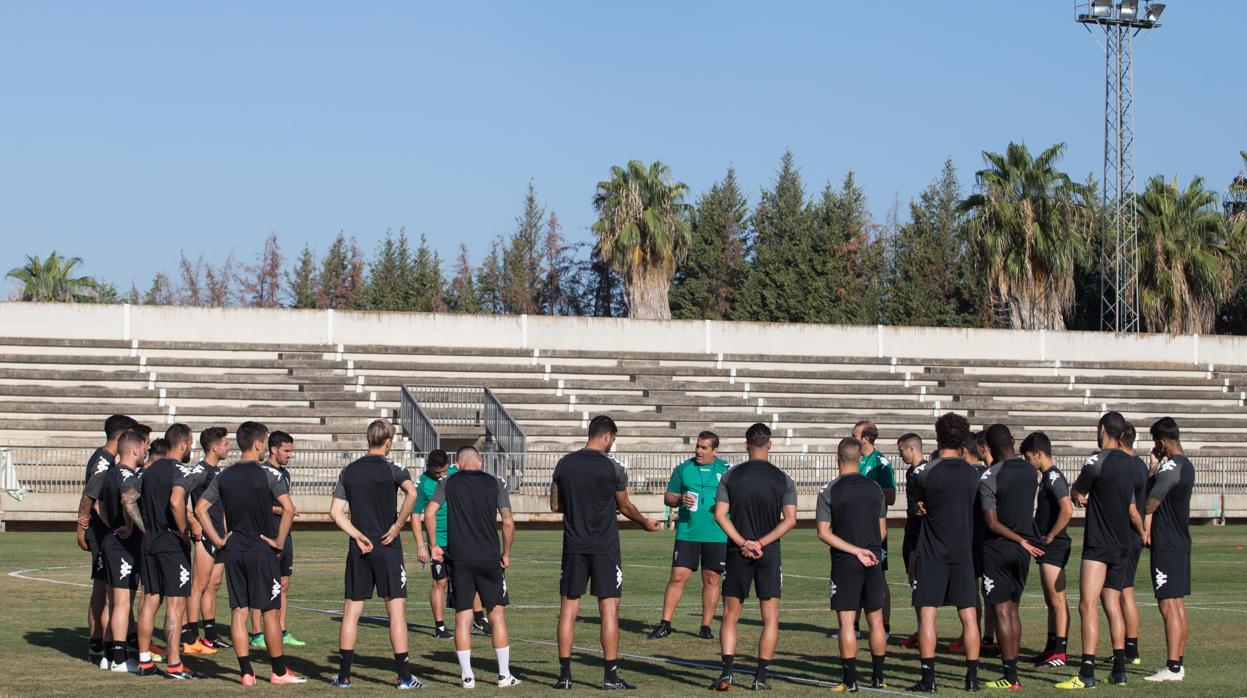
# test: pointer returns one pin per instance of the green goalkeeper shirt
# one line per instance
(877, 467)
(698, 526)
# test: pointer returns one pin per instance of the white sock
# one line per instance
(465, 664)
(504, 661)
(145, 657)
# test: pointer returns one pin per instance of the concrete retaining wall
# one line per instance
(144, 323)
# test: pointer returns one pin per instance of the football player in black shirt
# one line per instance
(1166, 530)
(1007, 496)
(851, 517)
(208, 563)
(246, 490)
(165, 569)
(755, 506)
(943, 561)
(977, 454)
(1129, 607)
(374, 557)
(1053, 511)
(280, 451)
(102, 459)
(120, 545)
(910, 448)
(475, 500)
(588, 488)
(1108, 486)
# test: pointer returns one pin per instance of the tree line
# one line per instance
(1021, 249)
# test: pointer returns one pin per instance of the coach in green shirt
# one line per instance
(697, 537)
(437, 468)
(876, 467)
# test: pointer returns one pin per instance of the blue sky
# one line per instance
(131, 131)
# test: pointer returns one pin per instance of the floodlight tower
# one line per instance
(1120, 22)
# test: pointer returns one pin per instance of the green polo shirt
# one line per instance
(698, 526)
(878, 468)
(424, 491)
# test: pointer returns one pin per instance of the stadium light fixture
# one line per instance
(1154, 11)
(1101, 8)
(1128, 10)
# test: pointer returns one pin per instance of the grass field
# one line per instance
(43, 641)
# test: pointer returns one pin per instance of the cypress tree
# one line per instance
(706, 283)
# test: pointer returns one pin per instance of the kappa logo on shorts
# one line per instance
(988, 585)
(125, 568)
(675, 556)
(276, 590)
(833, 589)
(402, 577)
(1161, 578)
(183, 576)
(914, 584)
(99, 563)
(618, 577)
(437, 568)
(504, 587)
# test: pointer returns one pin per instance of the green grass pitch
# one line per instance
(43, 638)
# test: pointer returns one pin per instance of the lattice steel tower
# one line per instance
(1120, 23)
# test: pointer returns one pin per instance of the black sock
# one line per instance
(1175, 665)
(1132, 648)
(209, 628)
(1060, 644)
(478, 616)
(1087, 669)
(989, 640)
(849, 667)
(728, 661)
(1050, 644)
(665, 623)
(928, 671)
(117, 652)
(887, 628)
(279, 664)
(610, 670)
(972, 670)
(244, 665)
(402, 665)
(97, 646)
(1119, 661)
(190, 634)
(876, 667)
(439, 625)
(565, 667)
(1011, 670)
(344, 664)
(760, 674)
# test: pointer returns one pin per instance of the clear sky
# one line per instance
(130, 131)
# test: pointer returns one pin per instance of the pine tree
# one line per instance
(385, 282)
(844, 288)
(302, 283)
(521, 261)
(260, 285)
(332, 275)
(160, 292)
(219, 283)
(782, 283)
(429, 285)
(489, 281)
(462, 297)
(706, 283)
(557, 286)
(930, 282)
(191, 293)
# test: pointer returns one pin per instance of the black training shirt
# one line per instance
(368, 486)
(1009, 487)
(947, 487)
(99, 461)
(195, 482)
(155, 488)
(105, 489)
(1052, 489)
(756, 492)
(475, 498)
(1171, 486)
(247, 491)
(1112, 480)
(853, 505)
(284, 473)
(587, 481)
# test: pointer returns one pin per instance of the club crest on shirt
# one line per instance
(1053, 476)
(1168, 465)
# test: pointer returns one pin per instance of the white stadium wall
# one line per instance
(171, 323)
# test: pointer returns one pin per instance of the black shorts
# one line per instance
(167, 573)
(944, 584)
(766, 575)
(286, 559)
(1122, 576)
(439, 570)
(1005, 568)
(713, 556)
(1171, 574)
(472, 577)
(1056, 553)
(98, 573)
(910, 542)
(122, 561)
(381, 569)
(1117, 560)
(253, 579)
(205, 547)
(855, 586)
(600, 573)
(883, 559)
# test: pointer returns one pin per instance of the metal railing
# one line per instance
(500, 425)
(421, 431)
(314, 472)
(449, 405)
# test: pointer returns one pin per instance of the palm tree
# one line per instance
(50, 280)
(642, 233)
(1186, 263)
(1029, 232)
